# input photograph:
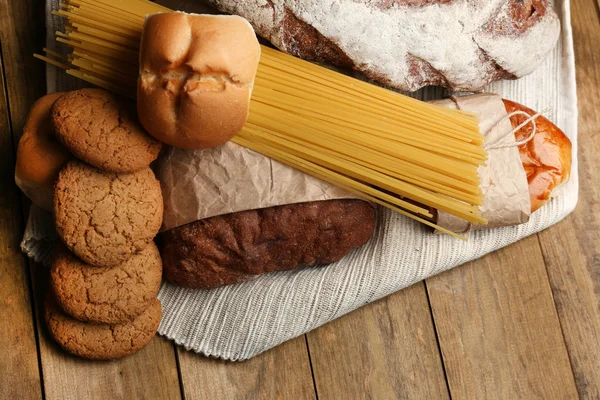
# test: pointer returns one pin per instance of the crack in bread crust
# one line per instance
(195, 82)
(376, 37)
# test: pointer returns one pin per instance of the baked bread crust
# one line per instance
(232, 248)
(196, 77)
(407, 44)
(40, 156)
(546, 158)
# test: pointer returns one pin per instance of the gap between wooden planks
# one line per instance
(20, 377)
(149, 374)
(572, 249)
(152, 373)
(370, 337)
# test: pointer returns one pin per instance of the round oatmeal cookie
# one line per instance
(109, 295)
(102, 129)
(101, 341)
(103, 217)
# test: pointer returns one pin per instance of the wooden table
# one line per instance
(523, 322)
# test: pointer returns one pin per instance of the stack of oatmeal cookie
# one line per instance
(108, 208)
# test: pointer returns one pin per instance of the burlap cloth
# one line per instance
(238, 322)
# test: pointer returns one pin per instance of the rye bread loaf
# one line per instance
(232, 248)
(407, 44)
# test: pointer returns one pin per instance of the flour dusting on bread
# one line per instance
(408, 44)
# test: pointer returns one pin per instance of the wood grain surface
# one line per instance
(280, 373)
(21, 376)
(151, 373)
(572, 248)
(523, 322)
(23, 31)
(148, 374)
(498, 330)
(387, 350)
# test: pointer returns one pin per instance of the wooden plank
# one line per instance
(280, 373)
(498, 329)
(572, 248)
(23, 31)
(385, 350)
(20, 377)
(151, 373)
(148, 374)
(22, 26)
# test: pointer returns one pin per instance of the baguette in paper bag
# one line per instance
(231, 214)
(228, 212)
(524, 170)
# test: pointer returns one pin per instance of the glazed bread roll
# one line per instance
(546, 158)
(196, 77)
(40, 156)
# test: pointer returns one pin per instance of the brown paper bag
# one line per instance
(199, 184)
(503, 179)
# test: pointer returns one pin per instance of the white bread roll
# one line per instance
(196, 77)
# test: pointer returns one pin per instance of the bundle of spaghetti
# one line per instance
(383, 146)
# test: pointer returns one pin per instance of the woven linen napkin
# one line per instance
(240, 321)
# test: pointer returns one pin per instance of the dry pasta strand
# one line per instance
(387, 148)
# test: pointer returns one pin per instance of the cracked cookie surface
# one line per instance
(103, 217)
(102, 129)
(101, 341)
(108, 295)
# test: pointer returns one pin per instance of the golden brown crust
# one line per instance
(109, 295)
(546, 158)
(40, 156)
(102, 129)
(101, 341)
(103, 217)
(196, 77)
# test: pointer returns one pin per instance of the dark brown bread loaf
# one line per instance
(232, 248)
(408, 44)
